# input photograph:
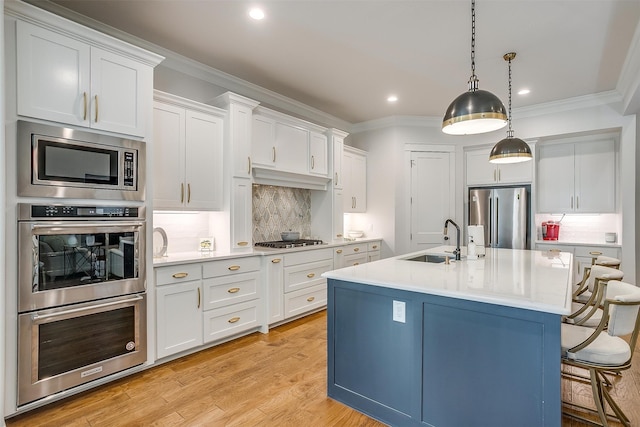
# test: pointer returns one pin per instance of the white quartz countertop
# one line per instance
(531, 280)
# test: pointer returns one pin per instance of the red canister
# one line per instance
(550, 230)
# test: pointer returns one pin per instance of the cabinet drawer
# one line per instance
(305, 275)
(355, 259)
(230, 266)
(355, 249)
(583, 251)
(305, 300)
(373, 246)
(223, 291)
(303, 257)
(178, 273)
(231, 320)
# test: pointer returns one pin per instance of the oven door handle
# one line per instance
(37, 316)
(108, 224)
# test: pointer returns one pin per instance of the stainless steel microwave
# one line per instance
(62, 162)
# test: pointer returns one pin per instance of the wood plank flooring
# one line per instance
(278, 379)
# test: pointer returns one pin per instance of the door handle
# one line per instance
(273, 154)
(84, 103)
(96, 108)
(189, 193)
(182, 192)
(313, 162)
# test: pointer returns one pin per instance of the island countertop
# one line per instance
(531, 280)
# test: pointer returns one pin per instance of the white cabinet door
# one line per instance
(118, 98)
(263, 149)
(318, 154)
(52, 76)
(68, 81)
(356, 166)
(292, 148)
(555, 178)
(203, 169)
(481, 172)
(240, 135)
(595, 176)
(338, 151)
(178, 317)
(241, 219)
(338, 214)
(275, 281)
(168, 156)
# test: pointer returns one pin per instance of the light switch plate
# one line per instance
(399, 311)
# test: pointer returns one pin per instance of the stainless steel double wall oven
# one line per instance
(81, 268)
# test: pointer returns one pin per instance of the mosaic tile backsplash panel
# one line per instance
(278, 209)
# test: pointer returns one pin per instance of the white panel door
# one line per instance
(203, 169)
(179, 317)
(52, 76)
(168, 156)
(292, 148)
(117, 93)
(555, 179)
(338, 150)
(595, 176)
(263, 150)
(432, 201)
(318, 154)
(241, 220)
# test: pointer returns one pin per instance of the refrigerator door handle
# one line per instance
(497, 220)
(490, 222)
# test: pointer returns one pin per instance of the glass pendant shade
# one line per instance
(475, 111)
(510, 150)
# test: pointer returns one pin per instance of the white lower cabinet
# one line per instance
(178, 309)
(204, 302)
(274, 273)
(373, 251)
(582, 256)
(356, 253)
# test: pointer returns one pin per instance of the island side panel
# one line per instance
(374, 362)
(479, 364)
(490, 365)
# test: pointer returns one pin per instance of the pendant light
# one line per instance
(510, 149)
(475, 111)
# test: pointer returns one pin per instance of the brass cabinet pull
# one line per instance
(276, 260)
(313, 162)
(189, 193)
(375, 246)
(273, 154)
(336, 180)
(233, 319)
(571, 202)
(339, 251)
(249, 163)
(339, 235)
(234, 268)
(242, 243)
(234, 290)
(180, 275)
(310, 275)
(356, 249)
(84, 102)
(596, 253)
(577, 202)
(96, 108)
(198, 297)
(356, 263)
(310, 299)
(182, 192)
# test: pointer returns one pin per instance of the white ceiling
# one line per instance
(345, 57)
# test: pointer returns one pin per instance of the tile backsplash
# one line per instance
(278, 209)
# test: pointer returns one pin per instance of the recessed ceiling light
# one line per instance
(256, 13)
(523, 91)
(392, 98)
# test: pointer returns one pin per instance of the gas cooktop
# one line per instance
(286, 244)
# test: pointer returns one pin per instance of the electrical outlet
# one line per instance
(399, 311)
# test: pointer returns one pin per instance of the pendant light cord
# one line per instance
(473, 80)
(509, 57)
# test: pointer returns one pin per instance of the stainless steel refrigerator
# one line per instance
(504, 212)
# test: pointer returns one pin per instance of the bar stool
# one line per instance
(589, 312)
(598, 259)
(581, 291)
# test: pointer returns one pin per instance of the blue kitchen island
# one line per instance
(417, 342)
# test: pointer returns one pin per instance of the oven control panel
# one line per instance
(79, 212)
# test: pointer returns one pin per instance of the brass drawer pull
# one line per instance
(233, 319)
(339, 235)
(234, 268)
(356, 249)
(242, 243)
(234, 290)
(339, 251)
(180, 275)
(375, 246)
(310, 275)
(310, 299)
(276, 260)
(356, 263)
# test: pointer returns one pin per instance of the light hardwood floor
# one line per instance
(278, 379)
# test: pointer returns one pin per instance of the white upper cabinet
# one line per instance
(354, 170)
(482, 172)
(292, 148)
(336, 140)
(318, 154)
(187, 155)
(66, 80)
(577, 177)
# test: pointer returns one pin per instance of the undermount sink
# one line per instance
(436, 259)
